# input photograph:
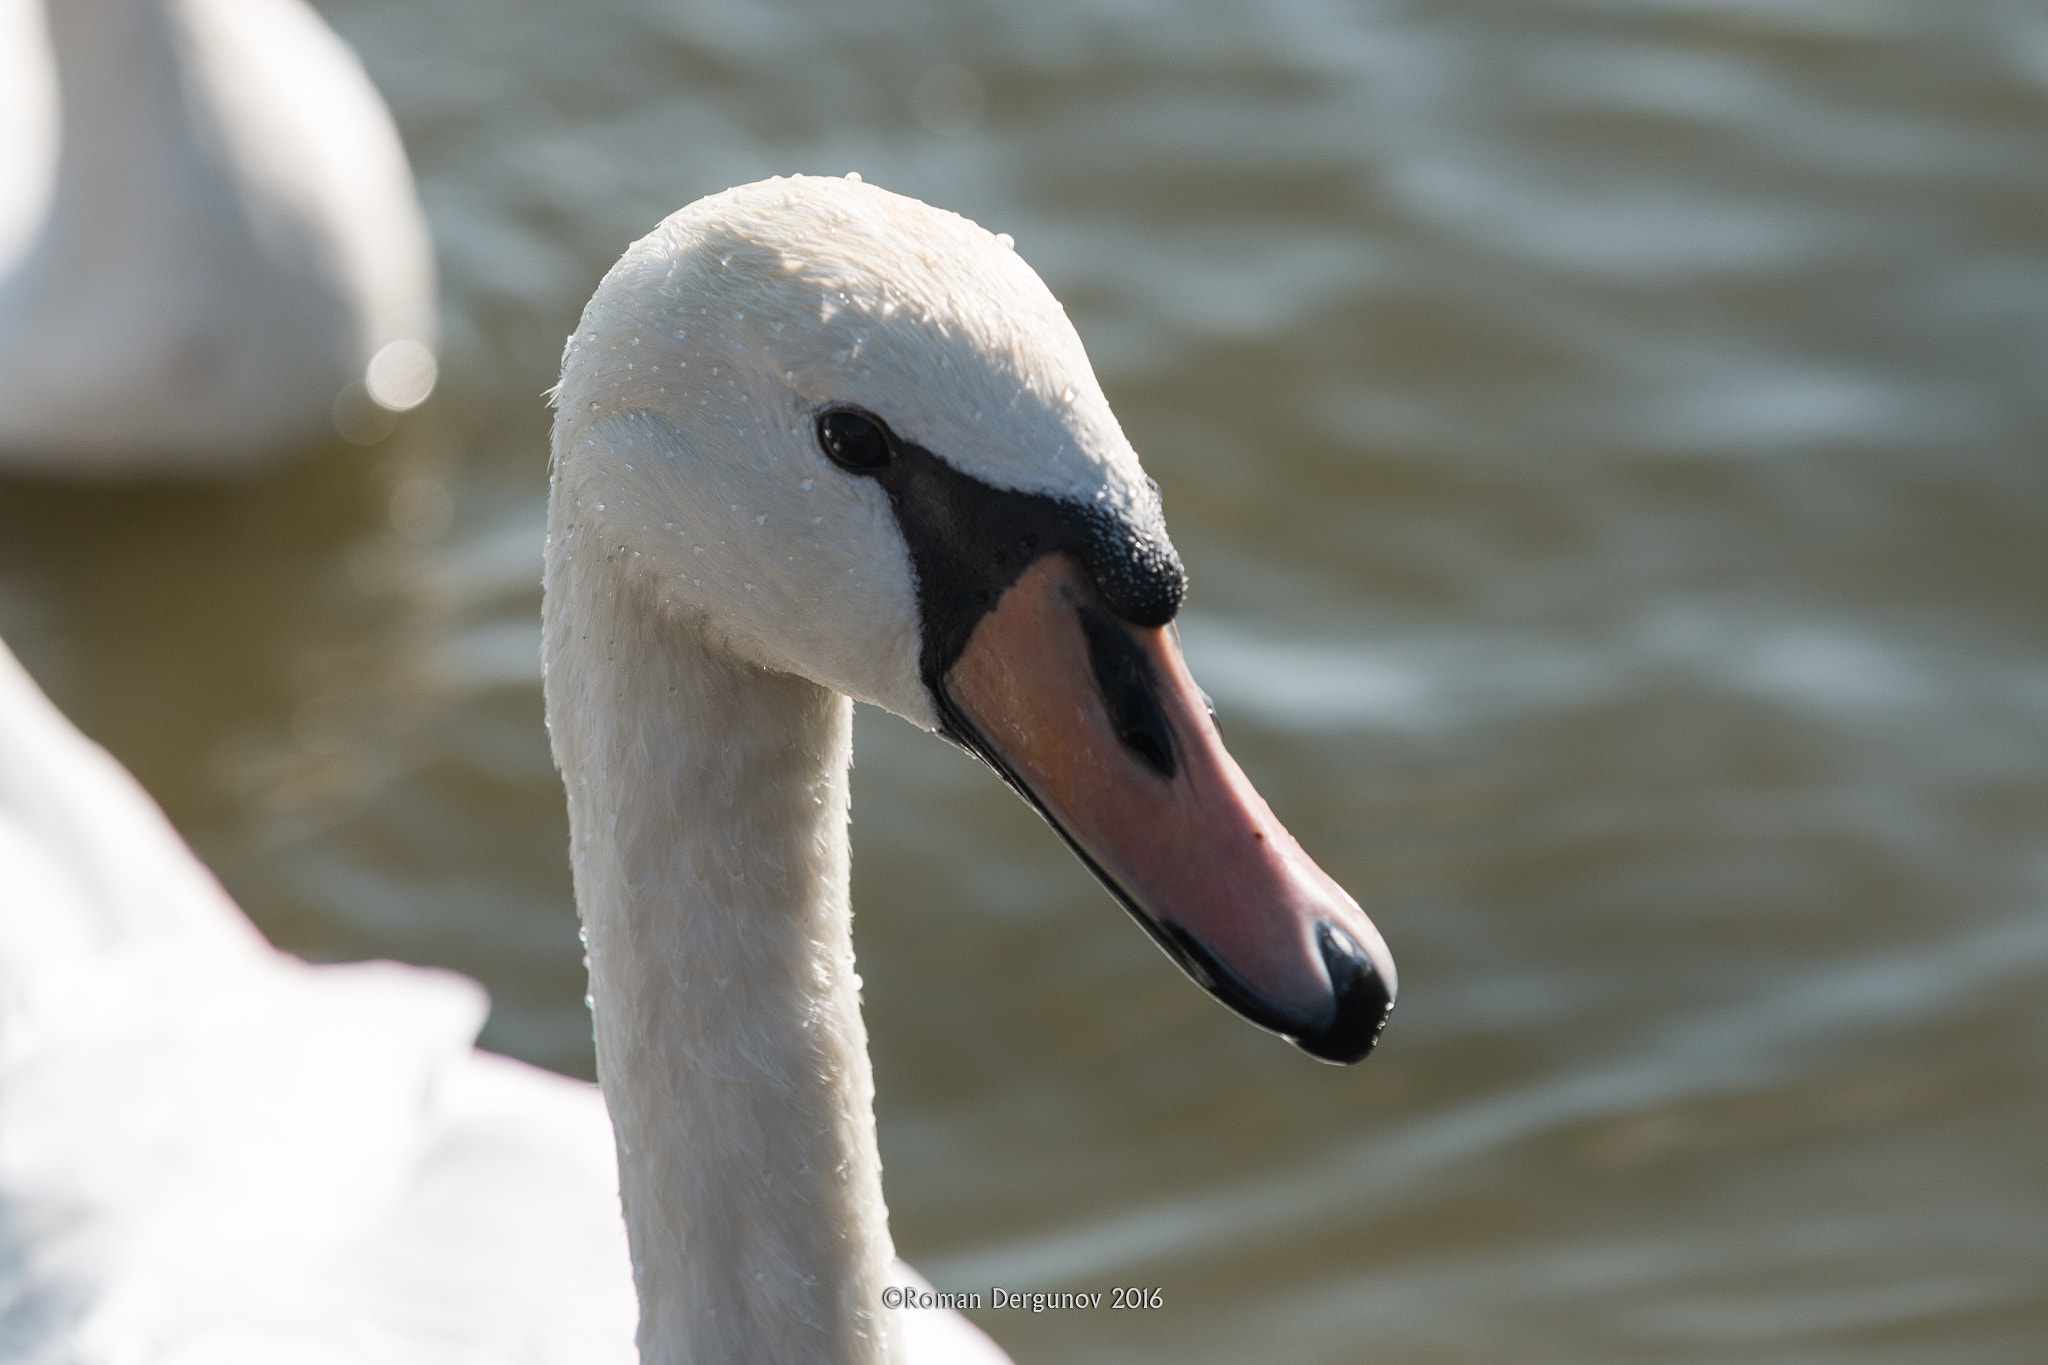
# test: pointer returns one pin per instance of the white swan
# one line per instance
(813, 441)
(208, 232)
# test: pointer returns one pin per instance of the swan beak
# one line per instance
(1099, 725)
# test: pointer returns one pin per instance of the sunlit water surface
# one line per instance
(1607, 442)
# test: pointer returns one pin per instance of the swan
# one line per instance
(813, 442)
(208, 234)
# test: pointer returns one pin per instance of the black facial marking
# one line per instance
(969, 542)
(1130, 692)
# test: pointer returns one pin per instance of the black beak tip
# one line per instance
(1363, 1002)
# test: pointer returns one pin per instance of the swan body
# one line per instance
(211, 1152)
(208, 233)
(813, 442)
(215, 1154)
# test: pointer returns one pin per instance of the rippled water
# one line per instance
(1607, 439)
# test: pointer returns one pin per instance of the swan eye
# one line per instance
(853, 440)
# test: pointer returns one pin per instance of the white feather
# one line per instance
(226, 240)
(210, 1152)
(716, 589)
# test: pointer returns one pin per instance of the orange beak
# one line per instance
(1099, 725)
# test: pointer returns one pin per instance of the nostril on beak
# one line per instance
(1362, 998)
(1130, 692)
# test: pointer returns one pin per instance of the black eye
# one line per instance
(853, 440)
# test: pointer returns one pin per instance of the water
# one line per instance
(1606, 441)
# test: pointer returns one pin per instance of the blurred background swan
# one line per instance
(1605, 441)
(211, 252)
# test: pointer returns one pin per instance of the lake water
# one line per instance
(1609, 443)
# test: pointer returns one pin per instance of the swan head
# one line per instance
(838, 433)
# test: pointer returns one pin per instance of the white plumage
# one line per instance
(214, 1154)
(208, 232)
(210, 1152)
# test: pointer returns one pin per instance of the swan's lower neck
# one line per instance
(708, 809)
(123, 65)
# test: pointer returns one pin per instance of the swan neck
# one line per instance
(708, 809)
(121, 64)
